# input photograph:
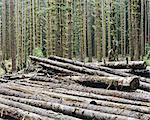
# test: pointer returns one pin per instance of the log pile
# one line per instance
(71, 90)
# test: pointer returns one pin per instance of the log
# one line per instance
(19, 114)
(131, 83)
(69, 66)
(40, 111)
(115, 65)
(69, 110)
(89, 71)
(5, 91)
(144, 86)
(84, 94)
(103, 109)
(61, 70)
(98, 67)
(142, 109)
(50, 79)
(124, 65)
(91, 97)
(127, 95)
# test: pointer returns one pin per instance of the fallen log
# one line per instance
(84, 94)
(124, 65)
(126, 95)
(90, 97)
(132, 83)
(115, 65)
(69, 66)
(71, 96)
(98, 67)
(142, 109)
(103, 109)
(40, 111)
(145, 86)
(19, 114)
(61, 70)
(73, 111)
(5, 91)
(89, 71)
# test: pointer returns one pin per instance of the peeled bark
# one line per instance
(43, 112)
(131, 83)
(19, 114)
(69, 110)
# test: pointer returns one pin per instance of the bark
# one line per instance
(131, 83)
(43, 112)
(19, 114)
(69, 110)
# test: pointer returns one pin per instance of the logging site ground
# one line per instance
(74, 59)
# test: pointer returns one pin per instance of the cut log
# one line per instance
(91, 97)
(61, 70)
(132, 83)
(102, 109)
(73, 111)
(98, 67)
(124, 65)
(84, 94)
(39, 103)
(10, 92)
(142, 109)
(19, 114)
(40, 111)
(69, 66)
(119, 94)
(116, 65)
(145, 86)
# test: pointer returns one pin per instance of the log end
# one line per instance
(135, 83)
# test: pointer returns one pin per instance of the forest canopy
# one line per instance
(75, 29)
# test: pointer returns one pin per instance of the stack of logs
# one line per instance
(64, 89)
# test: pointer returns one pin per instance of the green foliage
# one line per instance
(38, 52)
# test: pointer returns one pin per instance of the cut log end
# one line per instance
(135, 83)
